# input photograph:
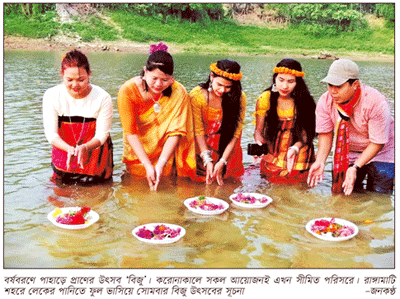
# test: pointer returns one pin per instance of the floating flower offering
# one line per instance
(251, 200)
(332, 229)
(206, 205)
(159, 233)
(73, 217)
(202, 203)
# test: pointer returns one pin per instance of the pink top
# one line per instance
(371, 122)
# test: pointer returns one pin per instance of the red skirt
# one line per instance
(273, 165)
(98, 163)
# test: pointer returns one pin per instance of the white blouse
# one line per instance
(58, 102)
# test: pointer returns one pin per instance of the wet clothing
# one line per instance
(370, 121)
(273, 165)
(154, 128)
(207, 122)
(98, 165)
(77, 121)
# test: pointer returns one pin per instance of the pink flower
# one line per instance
(159, 47)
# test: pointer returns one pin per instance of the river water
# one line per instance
(272, 237)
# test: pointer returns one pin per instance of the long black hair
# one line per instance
(304, 107)
(163, 61)
(231, 104)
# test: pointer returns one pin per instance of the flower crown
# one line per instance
(285, 70)
(231, 76)
(159, 47)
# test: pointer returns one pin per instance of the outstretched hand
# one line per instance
(209, 173)
(350, 179)
(315, 174)
(218, 169)
(151, 176)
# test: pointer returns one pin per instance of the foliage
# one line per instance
(43, 25)
(195, 12)
(214, 36)
(322, 18)
(90, 29)
(28, 9)
(387, 11)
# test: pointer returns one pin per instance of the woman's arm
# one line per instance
(138, 149)
(201, 142)
(219, 166)
(169, 147)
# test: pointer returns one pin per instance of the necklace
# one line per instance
(156, 106)
(73, 133)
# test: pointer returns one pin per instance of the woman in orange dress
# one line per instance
(218, 110)
(157, 122)
(285, 121)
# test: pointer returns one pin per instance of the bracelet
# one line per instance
(205, 153)
(205, 161)
(296, 149)
(206, 156)
(355, 166)
(223, 161)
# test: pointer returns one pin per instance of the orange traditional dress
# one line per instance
(153, 129)
(207, 121)
(273, 165)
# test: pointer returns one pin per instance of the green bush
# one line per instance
(387, 11)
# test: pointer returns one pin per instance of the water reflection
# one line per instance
(273, 237)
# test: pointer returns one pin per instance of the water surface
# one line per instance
(273, 237)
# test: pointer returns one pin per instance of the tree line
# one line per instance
(337, 16)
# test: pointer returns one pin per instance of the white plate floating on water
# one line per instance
(250, 200)
(206, 205)
(332, 229)
(159, 233)
(91, 218)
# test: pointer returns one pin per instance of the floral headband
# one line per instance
(159, 47)
(231, 76)
(285, 70)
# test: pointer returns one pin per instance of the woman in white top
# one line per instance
(77, 120)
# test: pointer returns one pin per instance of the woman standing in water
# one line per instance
(77, 118)
(157, 122)
(219, 108)
(285, 121)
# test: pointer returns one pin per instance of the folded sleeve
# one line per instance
(197, 101)
(263, 103)
(50, 116)
(324, 122)
(379, 123)
(127, 107)
(104, 119)
(243, 102)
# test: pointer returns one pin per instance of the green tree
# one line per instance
(387, 11)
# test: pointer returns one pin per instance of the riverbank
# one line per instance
(124, 46)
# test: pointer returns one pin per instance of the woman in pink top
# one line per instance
(359, 118)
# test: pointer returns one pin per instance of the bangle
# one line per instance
(205, 153)
(355, 166)
(296, 149)
(223, 161)
(162, 159)
(206, 156)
